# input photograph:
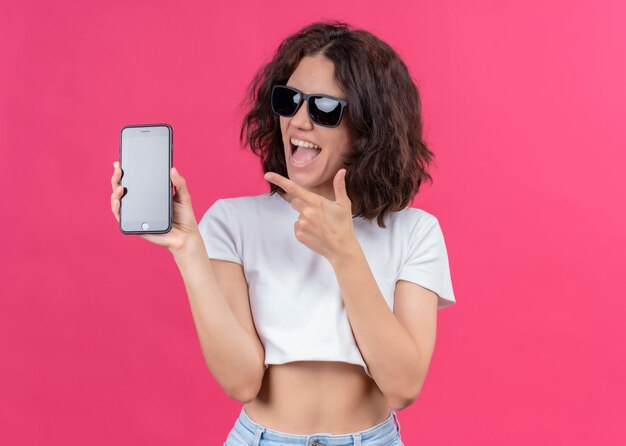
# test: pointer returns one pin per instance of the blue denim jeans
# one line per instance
(246, 432)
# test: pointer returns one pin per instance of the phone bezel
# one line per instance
(171, 161)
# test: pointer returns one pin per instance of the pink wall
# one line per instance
(524, 104)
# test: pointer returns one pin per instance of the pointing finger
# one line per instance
(292, 188)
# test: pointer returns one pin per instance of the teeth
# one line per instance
(297, 142)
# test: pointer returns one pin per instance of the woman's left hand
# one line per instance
(324, 226)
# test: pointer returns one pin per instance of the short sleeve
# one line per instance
(426, 262)
(220, 233)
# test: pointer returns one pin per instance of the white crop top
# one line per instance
(294, 296)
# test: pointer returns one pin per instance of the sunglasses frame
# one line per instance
(305, 97)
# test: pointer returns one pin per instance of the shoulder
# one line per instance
(241, 205)
(415, 219)
(231, 211)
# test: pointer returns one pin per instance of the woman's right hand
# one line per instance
(184, 229)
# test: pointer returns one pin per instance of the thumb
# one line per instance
(182, 194)
(339, 183)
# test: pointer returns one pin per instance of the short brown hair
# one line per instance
(387, 162)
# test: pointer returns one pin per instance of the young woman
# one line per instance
(315, 303)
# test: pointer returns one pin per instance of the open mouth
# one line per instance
(303, 155)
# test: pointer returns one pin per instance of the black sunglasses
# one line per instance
(324, 110)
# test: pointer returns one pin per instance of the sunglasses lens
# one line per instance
(325, 111)
(285, 101)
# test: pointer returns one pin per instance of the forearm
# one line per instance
(390, 353)
(229, 353)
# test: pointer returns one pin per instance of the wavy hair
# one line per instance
(388, 159)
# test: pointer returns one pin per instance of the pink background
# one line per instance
(524, 104)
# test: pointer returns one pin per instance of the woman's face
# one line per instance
(314, 74)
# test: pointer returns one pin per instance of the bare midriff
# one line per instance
(307, 397)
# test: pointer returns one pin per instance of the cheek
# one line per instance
(342, 148)
(337, 155)
(283, 125)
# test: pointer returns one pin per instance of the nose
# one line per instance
(301, 118)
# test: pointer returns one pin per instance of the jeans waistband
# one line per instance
(253, 432)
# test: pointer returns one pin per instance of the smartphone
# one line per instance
(146, 157)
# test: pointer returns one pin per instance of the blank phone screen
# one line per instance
(145, 161)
